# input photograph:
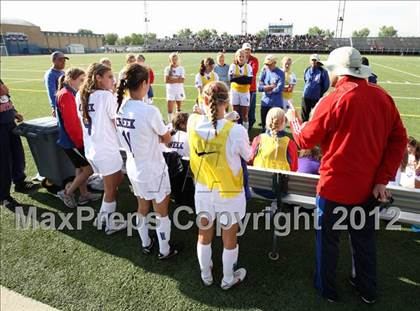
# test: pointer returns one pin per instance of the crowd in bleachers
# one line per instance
(233, 42)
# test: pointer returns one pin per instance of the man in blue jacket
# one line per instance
(271, 82)
(51, 77)
(317, 83)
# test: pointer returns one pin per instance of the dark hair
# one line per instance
(314, 153)
(141, 57)
(365, 61)
(179, 119)
(89, 86)
(218, 94)
(1, 81)
(412, 141)
(204, 63)
(133, 76)
(71, 74)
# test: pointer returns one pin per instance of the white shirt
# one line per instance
(198, 81)
(100, 138)
(139, 127)
(232, 70)
(179, 144)
(237, 147)
(175, 72)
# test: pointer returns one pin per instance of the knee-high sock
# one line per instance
(229, 258)
(164, 234)
(204, 257)
(143, 229)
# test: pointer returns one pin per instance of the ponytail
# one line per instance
(134, 75)
(202, 67)
(60, 82)
(122, 86)
(218, 94)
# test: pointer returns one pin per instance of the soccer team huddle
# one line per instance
(99, 115)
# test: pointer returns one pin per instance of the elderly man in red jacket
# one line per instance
(363, 141)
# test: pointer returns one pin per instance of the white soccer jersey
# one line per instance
(100, 137)
(232, 70)
(179, 144)
(207, 76)
(139, 126)
(176, 72)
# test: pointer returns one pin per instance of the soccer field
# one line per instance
(87, 270)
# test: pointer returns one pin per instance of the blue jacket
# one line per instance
(51, 84)
(317, 82)
(275, 97)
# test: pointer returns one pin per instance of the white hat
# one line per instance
(269, 59)
(246, 46)
(347, 61)
(314, 56)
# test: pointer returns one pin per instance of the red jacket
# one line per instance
(362, 140)
(66, 102)
(151, 76)
(253, 62)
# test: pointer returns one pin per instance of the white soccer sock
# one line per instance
(143, 230)
(164, 234)
(108, 207)
(204, 257)
(170, 114)
(246, 125)
(229, 258)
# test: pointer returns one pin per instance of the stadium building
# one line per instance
(280, 29)
(19, 37)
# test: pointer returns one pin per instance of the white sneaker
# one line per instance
(238, 276)
(115, 226)
(69, 200)
(208, 278)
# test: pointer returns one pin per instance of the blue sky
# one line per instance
(125, 17)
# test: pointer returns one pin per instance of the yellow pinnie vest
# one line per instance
(272, 155)
(241, 88)
(204, 81)
(209, 164)
(287, 95)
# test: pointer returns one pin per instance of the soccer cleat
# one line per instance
(113, 226)
(208, 279)
(238, 277)
(149, 249)
(90, 197)
(25, 186)
(368, 301)
(173, 251)
(69, 200)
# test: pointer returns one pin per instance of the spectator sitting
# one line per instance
(273, 149)
(179, 139)
(309, 160)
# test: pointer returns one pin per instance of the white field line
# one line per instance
(398, 70)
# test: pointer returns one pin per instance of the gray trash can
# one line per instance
(50, 159)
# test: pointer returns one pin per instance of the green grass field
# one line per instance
(86, 270)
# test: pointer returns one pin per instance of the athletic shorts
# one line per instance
(107, 167)
(175, 96)
(228, 213)
(77, 157)
(157, 189)
(239, 99)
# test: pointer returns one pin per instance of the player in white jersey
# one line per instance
(289, 82)
(240, 76)
(217, 146)
(174, 79)
(140, 131)
(97, 108)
